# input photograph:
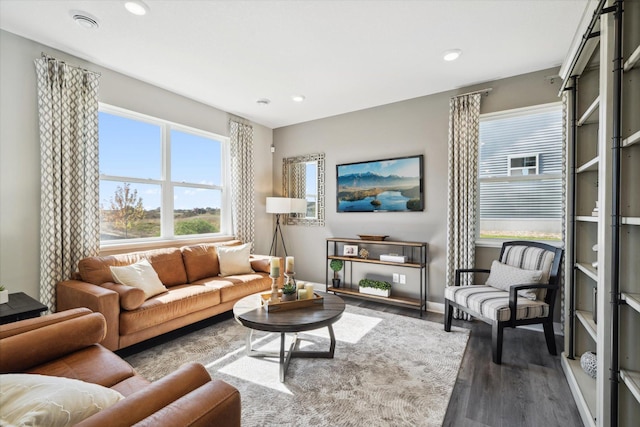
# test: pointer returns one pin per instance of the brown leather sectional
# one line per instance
(65, 344)
(195, 291)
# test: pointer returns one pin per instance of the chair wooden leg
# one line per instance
(448, 315)
(548, 336)
(496, 342)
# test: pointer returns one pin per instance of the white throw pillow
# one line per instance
(502, 276)
(234, 259)
(42, 400)
(140, 275)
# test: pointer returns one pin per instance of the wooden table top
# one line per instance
(249, 313)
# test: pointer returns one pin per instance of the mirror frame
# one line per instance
(286, 166)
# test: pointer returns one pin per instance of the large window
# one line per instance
(520, 174)
(158, 180)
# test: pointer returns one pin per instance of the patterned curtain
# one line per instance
(242, 182)
(464, 131)
(298, 181)
(70, 181)
(565, 137)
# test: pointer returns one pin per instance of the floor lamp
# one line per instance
(279, 206)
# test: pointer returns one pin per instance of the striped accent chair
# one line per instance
(520, 290)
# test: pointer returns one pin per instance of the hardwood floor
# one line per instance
(528, 389)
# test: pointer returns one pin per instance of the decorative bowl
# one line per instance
(375, 237)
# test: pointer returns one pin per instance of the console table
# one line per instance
(416, 258)
(20, 306)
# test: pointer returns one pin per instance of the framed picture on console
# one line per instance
(386, 185)
(350, 250)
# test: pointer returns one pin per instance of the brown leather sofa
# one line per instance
(195, 291)
(66, 344)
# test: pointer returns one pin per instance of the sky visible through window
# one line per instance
(133, 149)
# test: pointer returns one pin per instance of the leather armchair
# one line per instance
(66, 344)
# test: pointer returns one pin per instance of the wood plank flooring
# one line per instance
(528, 389)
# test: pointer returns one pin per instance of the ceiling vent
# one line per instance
(84, 20)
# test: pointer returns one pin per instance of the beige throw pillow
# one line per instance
(502, 276)
(42, 400)
(140, 275)
(234, 259)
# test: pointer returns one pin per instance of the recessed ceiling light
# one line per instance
(452, 54)
(137, 7)
(298, 98)
(263, 101)
(84, 19)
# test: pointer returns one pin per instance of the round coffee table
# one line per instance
(250, 314)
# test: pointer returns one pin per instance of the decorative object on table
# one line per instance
(375, 287)
(364, 253)
(350, 250)
(393, 258)
(589, 363)
(267, 304)
(336, 266)
(289, 292)
(374, 237)
(279, 206)
(361, 185)
(4, 295)
(274, 273)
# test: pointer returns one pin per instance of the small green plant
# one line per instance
(289, 288)
(2, 288)
(336, 265)
(376, 284)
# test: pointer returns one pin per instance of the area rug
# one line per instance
(388, 370)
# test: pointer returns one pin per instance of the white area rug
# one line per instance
(388, 370)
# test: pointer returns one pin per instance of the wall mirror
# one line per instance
(303, 178)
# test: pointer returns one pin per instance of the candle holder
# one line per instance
(274, 290)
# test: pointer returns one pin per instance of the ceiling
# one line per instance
(341, 55)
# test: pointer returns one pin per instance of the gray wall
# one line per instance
(415, 126)
(20, 151)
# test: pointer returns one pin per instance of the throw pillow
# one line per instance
(234, 259)
(42, 400)
(140, 275)
(502, 276)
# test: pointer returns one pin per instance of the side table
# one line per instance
(20, 306)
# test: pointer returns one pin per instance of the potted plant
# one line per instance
(288, 292)
(336, 266)
(375, 287)
(4, 295)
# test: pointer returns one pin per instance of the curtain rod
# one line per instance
(486, 90)
(53, 58)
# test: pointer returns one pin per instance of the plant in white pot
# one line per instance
(375, 287)
(289, 292)
(4, 295)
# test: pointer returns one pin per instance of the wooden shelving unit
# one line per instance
(415, 252)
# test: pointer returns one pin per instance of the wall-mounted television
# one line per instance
(387, 185)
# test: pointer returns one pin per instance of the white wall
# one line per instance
(415, 126)
(20, 150)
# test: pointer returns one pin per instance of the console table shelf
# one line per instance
(416, 258)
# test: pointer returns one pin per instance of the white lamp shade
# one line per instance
(285, 205)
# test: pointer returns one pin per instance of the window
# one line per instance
(158, 180)
(523, 165)
(520, 174)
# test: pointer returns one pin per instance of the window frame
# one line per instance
(167, 185)
(503, 114)
(521, 168)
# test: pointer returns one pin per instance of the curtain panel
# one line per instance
(70, 181)
(242, 181)
(464, 133)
